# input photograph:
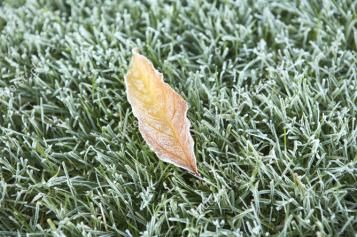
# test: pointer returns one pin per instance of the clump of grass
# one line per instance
(272, 94)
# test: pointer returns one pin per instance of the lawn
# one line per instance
(272, 94)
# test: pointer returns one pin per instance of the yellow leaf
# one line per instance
(161, 114)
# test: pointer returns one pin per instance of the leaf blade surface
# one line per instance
(161, 113)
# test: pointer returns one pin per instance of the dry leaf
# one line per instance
(161, 113)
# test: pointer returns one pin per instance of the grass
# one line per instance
(272, 89)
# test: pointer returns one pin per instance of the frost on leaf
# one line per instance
(161, 114)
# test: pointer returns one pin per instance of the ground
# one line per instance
(272, 94)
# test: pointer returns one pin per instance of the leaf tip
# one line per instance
(197, 175)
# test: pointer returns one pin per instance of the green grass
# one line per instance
(272, 89)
